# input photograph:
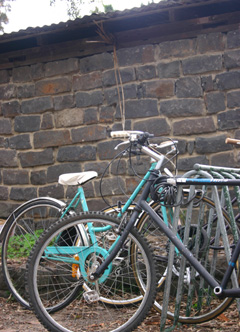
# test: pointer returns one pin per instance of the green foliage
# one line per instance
(74, 7)
(21, 245)
(108, 8)
(5, 7)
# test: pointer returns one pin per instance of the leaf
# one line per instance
(223, 318)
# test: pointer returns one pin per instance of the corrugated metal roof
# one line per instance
(164, 4)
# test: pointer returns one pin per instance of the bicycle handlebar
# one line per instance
(232, 141)
(125, 133)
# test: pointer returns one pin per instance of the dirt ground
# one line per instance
(13, 318)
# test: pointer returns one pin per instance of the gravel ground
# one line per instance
(13, 318)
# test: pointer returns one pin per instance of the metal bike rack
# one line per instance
(220, 198)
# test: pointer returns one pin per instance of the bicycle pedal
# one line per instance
(91, 296)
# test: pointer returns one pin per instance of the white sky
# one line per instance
(33, 13)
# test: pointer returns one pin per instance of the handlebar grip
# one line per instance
(232, 141)
(119, 134)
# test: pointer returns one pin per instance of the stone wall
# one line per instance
(54, 116)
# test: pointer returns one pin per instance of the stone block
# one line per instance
(225, 159)
(229, 119)
(194, 126)
(106, 149)
(12, 177)
(232, 59)
(156, 126)
(37, 71)
(63, 102)
(182, 146)
(139, 54)
(100, 167)
(127, 75)
(119, 167)
(177, 48)
(237, 134)
(20, 142)
(106, 114)
(22, 74)
(22, 194)
(87, 81)
(39, 158)
(96, 62)
(56, 191)
(53, 172)
(36, 105)
(61, 67)
(6, 209)
(26, 91)
(138, 166)
(10, 109)
(146, 72)
(53, 86)
(233, 39)
(212, 42)
(29, 123)
(8, 91)
(47, 121)
(112, 97)
(140, 108)
(190, 147)
(169, 69)
(90, 116)
(207, 83)
(38, 178)
(86, 99)
(69, 118)
(187, 87)
(233, 99)
(3, 193)
(4, 76)
(187, 163)
(51, 138)
(211, 144)
(215, 102)
(158, 89)
(5, 127)
(88, 134)
(182, 107)
(8, 158)
(228, 80)
(201, 64)
(76, 153)
(110, 186)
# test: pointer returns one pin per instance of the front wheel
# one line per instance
(58, 270)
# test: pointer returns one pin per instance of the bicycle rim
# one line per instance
(88, 312)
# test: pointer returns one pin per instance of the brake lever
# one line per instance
(123, 143)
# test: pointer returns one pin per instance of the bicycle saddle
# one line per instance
(73, 179)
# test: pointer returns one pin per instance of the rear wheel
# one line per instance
(26, 225)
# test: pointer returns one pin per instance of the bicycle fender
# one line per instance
(9, 220)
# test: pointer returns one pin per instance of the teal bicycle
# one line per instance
(24, 226)
(124, 284)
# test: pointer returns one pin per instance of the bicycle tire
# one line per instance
(24, 226)
(159, 243)
(118, 281)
